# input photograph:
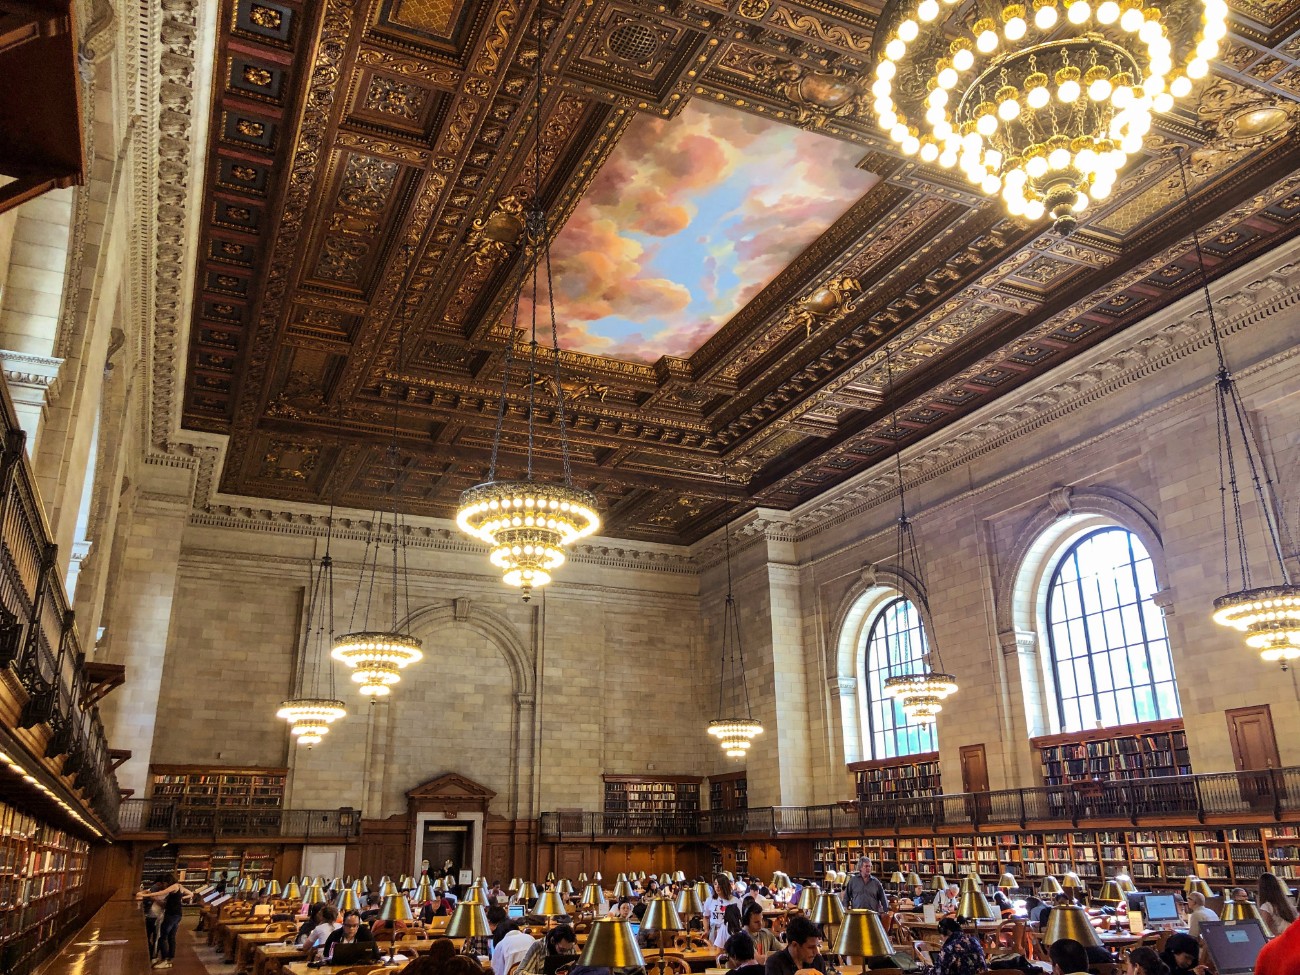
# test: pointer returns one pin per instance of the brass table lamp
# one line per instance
(862, 936)
(424, 893)
(610, 944)
(938, 882)
(1007, 881)
(291, 892)
(396, 908)
(1235, 911)
(1051, 887)
(591, 898)
(315, 895)
(661, 916)
(1110, 893)
(975, 905)
(347, 901)
(1196, 884)
(913, 880)
(273, 889)
(1070, 921)
(898, 880)
(828, 912)
(679, 877)
(469, 921)
(550, 906)
(808, 899)
(971, 882)
(622, 889)
(564, 886)
(688, 904)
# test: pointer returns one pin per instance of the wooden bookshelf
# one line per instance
(42, 886)
(913, 777)
(203, 787)
(1152, 749)
(626, 794)
(729, 791)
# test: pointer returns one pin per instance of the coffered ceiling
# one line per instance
(736, 245)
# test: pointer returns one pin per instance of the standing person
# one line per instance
(864, 890)
(715, 908)
(1275, 906)
(152, 915)
(171, 895)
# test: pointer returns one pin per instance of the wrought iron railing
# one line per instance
(1273, 793)
(39, 643)
(176, 822)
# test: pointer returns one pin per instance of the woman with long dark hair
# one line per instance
(1275, 905)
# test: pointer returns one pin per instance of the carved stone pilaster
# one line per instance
(33, 384)
(843, 686)
(1018, 641)
(1165, 600)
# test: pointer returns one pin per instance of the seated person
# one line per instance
(1197, 912)
(499, 920)
(1068, 957)
(961, 953)
(1035, 910)
(1182, 953)
(351, 932)
(948, 899)
(803, 945)
(765, 941)
(918, 897)
(372, 909)
(1003, 903)
(739, 952)
(559, 947)
(328, 925)
(309, 925)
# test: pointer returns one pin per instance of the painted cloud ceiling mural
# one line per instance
(687, 221)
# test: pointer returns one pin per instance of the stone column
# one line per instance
(521, 803)
(844, 693)
(138, 624)
(1024, 683)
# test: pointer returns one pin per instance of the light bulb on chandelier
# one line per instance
(1043, 110)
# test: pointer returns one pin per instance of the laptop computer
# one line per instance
(1233, 946)
(354, 952)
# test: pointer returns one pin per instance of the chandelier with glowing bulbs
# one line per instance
(735, 732)
(1042, 102)
(313, 707)
(528, 522)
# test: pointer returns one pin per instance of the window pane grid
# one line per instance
(1109, 648)
(895, 645)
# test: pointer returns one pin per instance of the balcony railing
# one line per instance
(175, 822)
(39, 644)
(1272, 793)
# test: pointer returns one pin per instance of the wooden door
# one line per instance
(975, 778)
(974, 769)
(1254, 748)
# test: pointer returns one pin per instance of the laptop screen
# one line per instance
(1160, 908)
(1233, 947)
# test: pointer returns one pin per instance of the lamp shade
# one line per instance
(424, 892)
(1126, 883)
(1070, 921)
(291, 892)
(623, 889)
(781, 881)
(679, 877)
(1196, 884)
(642, 877)
(621, 879)
(387, 889)
(514, 884)
(582, 880)
(365, 882)
(702, 891)
(1051, 886)
(1110, 893)
(397, 908)
(688, 903)
(1235, 911)
(468, 921)
(474, 895)
(336, 884)
(975, 905)
(439, 885)
(550, 877)
(808, 899)
(550, 904)
(938, 882)
(660, 915)
(1070, 880)
(597, 877)
(1007, 881)
(971, 882)
(245, 885)
(914, 879)
(347, 901)
(564, 886)
(591, 896)
(862, 935)
(828, 909)
(611, 944)
(315, 895)
(273, 889)
(898, 878)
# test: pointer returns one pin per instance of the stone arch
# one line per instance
(875, 586)
(492, 625)
(1064, 517)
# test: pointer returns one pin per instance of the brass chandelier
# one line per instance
(310, 714)
(377, 656)
(920, 694)
(528, 523)
(1268, 615)
(1042, 101)
(735, 733)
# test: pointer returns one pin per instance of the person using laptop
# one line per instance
(1145, 961)
(1182, 954)
(352, 932)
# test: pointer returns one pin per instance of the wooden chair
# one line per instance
(281, 927)
(672, 963)
(1011, 937)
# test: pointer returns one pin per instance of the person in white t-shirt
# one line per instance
(329, 923)
(1197, 912)
(716, 906)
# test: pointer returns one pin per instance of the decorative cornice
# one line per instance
(1171, 336)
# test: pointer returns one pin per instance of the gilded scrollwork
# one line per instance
(496, 236)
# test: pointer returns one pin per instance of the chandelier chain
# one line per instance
(1230, 408)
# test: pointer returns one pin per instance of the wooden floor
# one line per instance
(113, 943)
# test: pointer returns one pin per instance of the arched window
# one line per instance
(895, 645)
(1109, 648)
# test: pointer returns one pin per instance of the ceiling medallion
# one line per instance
(527, 522)
(1044, 105)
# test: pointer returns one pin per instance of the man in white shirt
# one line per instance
(510, 951)
(948, 900)
(1197, 912)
